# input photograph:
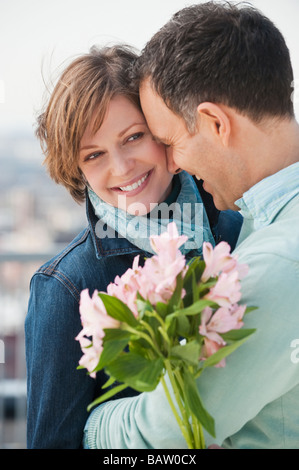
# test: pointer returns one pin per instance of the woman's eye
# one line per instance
(93, 156)
(136, 136)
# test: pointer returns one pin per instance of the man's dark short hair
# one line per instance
(223, 53)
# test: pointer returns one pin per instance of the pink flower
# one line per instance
(219, 259)
(94, 319)
(227, 289)
(167, 244)
(222, 321)
(91, 356)
(216, 259)
(211, 347)
(125, 287)
(157, 281)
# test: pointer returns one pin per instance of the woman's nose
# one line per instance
(121, 164)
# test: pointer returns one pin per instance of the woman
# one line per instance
(97, 145)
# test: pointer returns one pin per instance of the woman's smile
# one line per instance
(135, 186)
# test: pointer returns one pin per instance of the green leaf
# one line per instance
(138, 372)
(250, 309)
(196, 267)
(192, 283)
(183, 326)
(195, 291)
(194, 309)
(188, 352)
(208, 284)
(117, 334)
(143, 307)
(140, 347)
(107, 395)
(109, 382)
(118, 310)
(176, 297)
(195, 404)
(224, 352)
(161, 309)
(236, 335)
(115, 341)
(171, 325)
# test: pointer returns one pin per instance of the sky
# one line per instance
(38, 36)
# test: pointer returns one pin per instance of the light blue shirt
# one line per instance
(255, 398)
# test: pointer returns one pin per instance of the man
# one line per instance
(216, 88)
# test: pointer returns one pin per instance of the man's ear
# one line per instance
(217, 119)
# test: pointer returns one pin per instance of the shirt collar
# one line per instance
(265, 199)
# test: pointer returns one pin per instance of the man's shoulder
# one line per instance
(279, 238)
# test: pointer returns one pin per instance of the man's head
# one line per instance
(209, 65)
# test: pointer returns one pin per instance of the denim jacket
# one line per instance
(57, 393)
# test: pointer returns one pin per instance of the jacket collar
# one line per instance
(107, 242)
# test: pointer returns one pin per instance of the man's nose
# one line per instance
(171, 165)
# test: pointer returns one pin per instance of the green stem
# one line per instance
(197, 430)
(201, 437)
(145, 337)
(188, 434)
(150, 330)
(165, 336)
(161, 328)
(157, 316)
(177, 417)
(198, 433)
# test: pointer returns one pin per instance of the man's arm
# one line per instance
(255, 375)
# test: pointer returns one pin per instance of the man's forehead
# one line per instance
(157, 113)
(147, 86)
(148, 96)
(164, 124)
(152, 107)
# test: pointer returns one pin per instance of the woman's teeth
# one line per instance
(134, 185)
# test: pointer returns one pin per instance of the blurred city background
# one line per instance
(38, 218)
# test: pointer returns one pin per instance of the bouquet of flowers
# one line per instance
(166, 318)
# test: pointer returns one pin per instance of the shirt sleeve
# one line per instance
(256, 374)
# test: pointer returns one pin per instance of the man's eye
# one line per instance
(160, 142)
(136, 136)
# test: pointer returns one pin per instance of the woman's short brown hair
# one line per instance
(86, 85)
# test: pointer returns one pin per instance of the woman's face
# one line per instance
(122, 163)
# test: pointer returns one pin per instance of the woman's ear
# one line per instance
(217, 120)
